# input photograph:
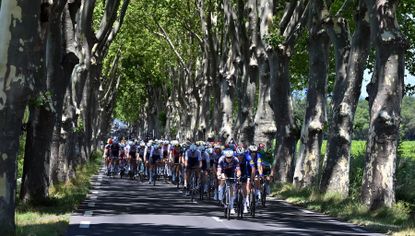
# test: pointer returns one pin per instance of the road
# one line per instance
(127, 207)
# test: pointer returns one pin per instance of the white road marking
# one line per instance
(94, 191)
(91, 204)
(94, 197)
(217, 219)
(88, 213)
(84, 224)
(306, 211)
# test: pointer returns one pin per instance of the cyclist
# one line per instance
(205, 167)
(228, 166)
(214, 158)
(155, 156)
(132, 157)
(107, 155)
(115, 154)
(244, 164)
(175, 155)
(193, 162)
(165, 150)
(255, 161)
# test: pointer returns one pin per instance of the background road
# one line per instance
(128, 207)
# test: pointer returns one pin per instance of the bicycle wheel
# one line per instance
(228, 206)
(263, 196)
(192, 186)
(252, 203)
(240, 205)
(201, 183)
(154, 176)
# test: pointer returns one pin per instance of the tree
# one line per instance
(18, 65)
(385, 95)
(308, 162)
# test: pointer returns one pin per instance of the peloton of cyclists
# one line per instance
(211, 163)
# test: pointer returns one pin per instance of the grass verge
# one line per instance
(52, 218)
(398, 220)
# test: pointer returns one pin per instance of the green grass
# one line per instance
(387, 220)
(399, 220)
(52, 218)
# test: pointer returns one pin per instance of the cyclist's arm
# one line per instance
(199, 157)
(259, 164)
(186, 157)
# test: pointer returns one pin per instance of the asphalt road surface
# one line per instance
(127, 207)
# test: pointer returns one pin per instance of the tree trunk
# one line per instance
(265, 128)
(287, 132)
(18, 64)
(308, 163)
(248, 70)
(385, 96)
(35, 180)
(350, 66)
(68, 59)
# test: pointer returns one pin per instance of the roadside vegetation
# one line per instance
(52, 217)
(397, 220)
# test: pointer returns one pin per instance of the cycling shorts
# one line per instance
(192, 163)
(154, 159)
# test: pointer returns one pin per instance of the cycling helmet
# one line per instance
(142, 144)
(240, 151)
(202, 148)
(192, 148)
(261, 146)
(228, 153)
(253, 148)
(109, 141)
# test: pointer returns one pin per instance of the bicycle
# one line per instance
(228, 195)
(264, 190)
(177, 174)
(193, 183)
(252, 198)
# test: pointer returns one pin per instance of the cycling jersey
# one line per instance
(205, 160)
(165, 150)
(228, 168)
(254, 160)
(245, 167)
(176, 155)
(115, 150)
(214, 158)
(193, 158)
(155, 154)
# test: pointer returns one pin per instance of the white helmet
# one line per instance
(253, 148)
(228, 153)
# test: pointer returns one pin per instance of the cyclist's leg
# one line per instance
(221, 189)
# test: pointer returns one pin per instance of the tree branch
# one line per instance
(110, 15)
(165, 36)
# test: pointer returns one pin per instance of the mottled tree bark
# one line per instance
(287, 133)
(265, 128)
(35, 179)
(284, 115)
(248, 70)
(20, 52)
(350, 64)
(307, 166)
(385, 96)
(229, 67)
